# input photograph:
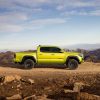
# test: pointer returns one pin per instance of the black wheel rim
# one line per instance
(28, 64)
(72, 65)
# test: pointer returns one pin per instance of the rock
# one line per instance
(1, 83)
(48, 89)
(78, 86)
(68, 91)
(19, 86)
(2, 78)
(31, 81)
(33, 97)
(11, 78)
(87, 96)
(72, 94)
(2, 98)
(15, 97)
(23, 80)
(17, 77)
(43, 97)
(12, 87)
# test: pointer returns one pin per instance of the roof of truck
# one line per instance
(47, 46)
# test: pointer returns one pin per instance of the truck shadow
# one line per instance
(51, 66)
(18, 66)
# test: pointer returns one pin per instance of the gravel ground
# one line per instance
(50, 81)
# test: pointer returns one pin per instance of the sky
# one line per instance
(24, 24)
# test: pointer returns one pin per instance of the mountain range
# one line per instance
(71, 47)
(83, 46)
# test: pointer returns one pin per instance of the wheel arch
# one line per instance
(28, 57)
(72, 57)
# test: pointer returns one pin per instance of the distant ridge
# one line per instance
(12, 50)
(71, 47)
(83, 46)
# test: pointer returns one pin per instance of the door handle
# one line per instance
(40, 54)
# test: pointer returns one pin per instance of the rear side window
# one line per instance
(50, 49)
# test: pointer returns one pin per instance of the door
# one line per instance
(51, 55)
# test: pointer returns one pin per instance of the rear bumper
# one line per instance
(18, 63)
(14, 60)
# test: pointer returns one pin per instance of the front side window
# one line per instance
(55, 49)
(50, 49)
(45, 49)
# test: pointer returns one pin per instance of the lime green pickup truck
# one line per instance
(49, 55)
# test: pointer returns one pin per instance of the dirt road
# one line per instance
(83, 68)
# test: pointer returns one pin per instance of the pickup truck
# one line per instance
(49, 55)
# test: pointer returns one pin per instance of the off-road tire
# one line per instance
(72, 64)
(29, 63)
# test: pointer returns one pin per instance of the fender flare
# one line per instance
(28, 57)
(72, 57)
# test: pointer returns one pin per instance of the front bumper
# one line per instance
(81, 60)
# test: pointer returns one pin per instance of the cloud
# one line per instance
(10, 28)
(22, 15)
(95, 13)
(13, 17)
(74, 12)
(31, 6)
(77, 4)
(82, 13)
(16, 4)
(21, 6)
(12, 21)
(30, 25)
(48, 21)
(79, 7)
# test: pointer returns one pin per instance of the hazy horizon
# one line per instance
(70, 47)
(24, 24)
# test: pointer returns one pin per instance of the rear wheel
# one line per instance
(72, 64)
(28, 64)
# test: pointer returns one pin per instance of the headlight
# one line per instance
(81, 55)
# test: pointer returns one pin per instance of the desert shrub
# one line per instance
(6, 57)
(89, 55)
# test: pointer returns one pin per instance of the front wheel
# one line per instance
(28, 64)
(72, 64)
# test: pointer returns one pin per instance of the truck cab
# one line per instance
(50, 54)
